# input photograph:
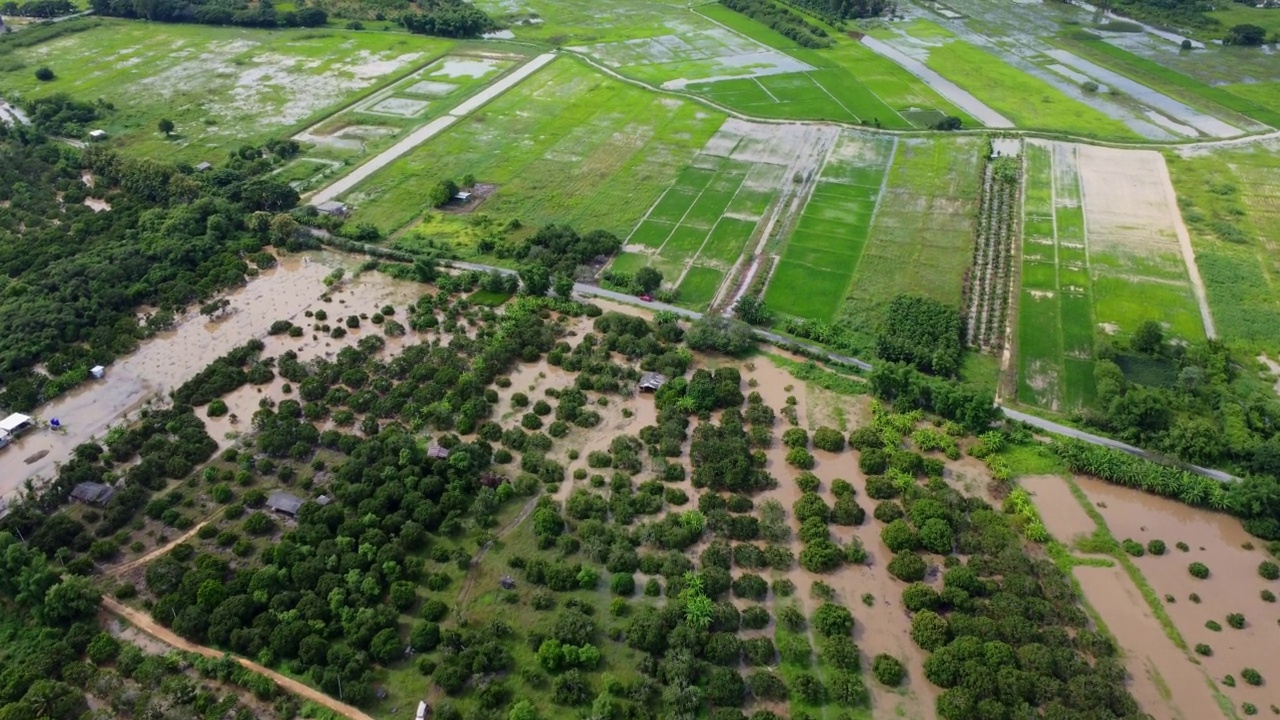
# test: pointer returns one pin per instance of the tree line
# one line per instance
(212, 12)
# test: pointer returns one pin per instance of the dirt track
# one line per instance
(126, 567)
(144, 623)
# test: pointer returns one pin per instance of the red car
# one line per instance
(647, 298)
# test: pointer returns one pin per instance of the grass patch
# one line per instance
(567, 145)
(489, 299)
(811, 373)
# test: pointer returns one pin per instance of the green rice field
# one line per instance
(826, 246)
(714, 213)
(221, 87)
(845, 83)
(921, 237)
(567, 145)
(1055, 306)
(1080, 280)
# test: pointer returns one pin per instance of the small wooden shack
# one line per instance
(651, 381)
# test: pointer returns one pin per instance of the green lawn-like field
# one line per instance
(921, 239)
(567, 145)
(1028, 101)
(221, 87)
(1230, 199)
(823, 253)
(848, 83)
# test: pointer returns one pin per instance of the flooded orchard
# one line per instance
(1233, 586)
(162, 363)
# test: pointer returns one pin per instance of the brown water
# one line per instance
(169, 359)
(1163, 680)
(1062, 515)
(1234, 585)
(885, 626)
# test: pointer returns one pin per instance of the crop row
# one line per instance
(988, 279)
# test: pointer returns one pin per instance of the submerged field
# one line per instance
(567, 145)
(823, 253)
(221, 87)
(921, 236)
(1100, 255)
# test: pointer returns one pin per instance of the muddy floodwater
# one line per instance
(172, 357)
(1063, 516)
(1233, 586)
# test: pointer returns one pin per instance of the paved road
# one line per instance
(428, 131)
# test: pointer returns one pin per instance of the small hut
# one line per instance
(651, 381)
(97, 135)
(204, 167)
(333, 207)
(284, 503)
(438, 452)
(92, 493)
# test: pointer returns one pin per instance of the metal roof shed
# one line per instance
(284, 503)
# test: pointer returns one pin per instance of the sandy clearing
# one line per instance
(1206, 124)
(949, 90)
(428, 131)
(146, 624)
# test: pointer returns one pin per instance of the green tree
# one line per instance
(751, 310)
(72, 599)
(1148, 338)
(648, 279)
(535, 280)
(832, 620)
(930, 630)
(166, 126)
(562, 285)
(44, 74)
(523, 710)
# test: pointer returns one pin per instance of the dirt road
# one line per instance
(144, 623)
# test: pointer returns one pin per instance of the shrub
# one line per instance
(217, 408)
(828, 439)
(795, 438)
(888, 511)
(1269, 570)
(1229, 681)
(1251, 676)
(888, 670)
(1213, 625)
(622, 584)
(1198, 570)
(750, 586)
(1182, 546)
(807, 482)
(1133, 547)
(1268, 596)
(801, 458)
(1204, 650)
(44, 74)
(1193, 597)
(930, 630)
(1236, 620)
(899, 536)
(1250, 708)
(1156, 547)
(908, 567)
(833, 620)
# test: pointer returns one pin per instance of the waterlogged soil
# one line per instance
(1162, 678)
(172, 357)
(1062, 515)
(1233, 586)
